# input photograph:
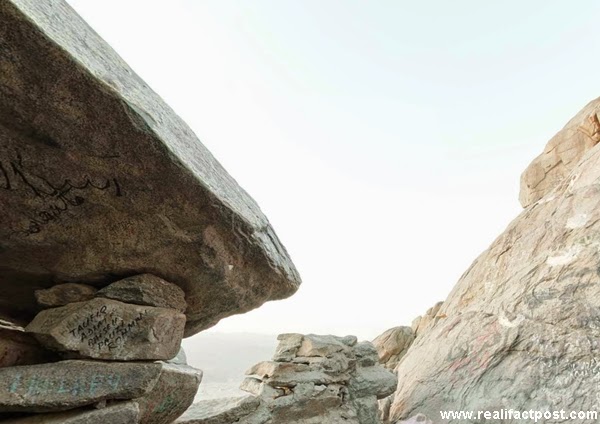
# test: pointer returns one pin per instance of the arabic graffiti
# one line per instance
(57, 197)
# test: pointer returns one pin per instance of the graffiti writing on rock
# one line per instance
(40, 385)
(58, 195)
(105, 330)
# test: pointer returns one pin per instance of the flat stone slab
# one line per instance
(101, 180)
(110, 330)
(171, 396)
(71, 384)
(146, 289)
(220, 411)
(119, 413)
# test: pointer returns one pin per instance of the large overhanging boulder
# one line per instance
(100, 180)
(521, 329)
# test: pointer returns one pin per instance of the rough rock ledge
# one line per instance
(101, 180)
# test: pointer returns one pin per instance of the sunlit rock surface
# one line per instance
(521, 328)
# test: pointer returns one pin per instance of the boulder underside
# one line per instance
(101, 180)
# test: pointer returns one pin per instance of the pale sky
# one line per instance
(384, 140)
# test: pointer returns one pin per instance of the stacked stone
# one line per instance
(99, 356)
(311, 380)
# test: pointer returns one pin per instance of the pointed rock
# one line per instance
(561, 155)
(71, 384)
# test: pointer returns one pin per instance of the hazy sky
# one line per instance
(383, 139)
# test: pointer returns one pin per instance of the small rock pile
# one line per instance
(311, 380)
(99, 356)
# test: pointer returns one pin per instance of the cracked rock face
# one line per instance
(521, 329)
(101, 180)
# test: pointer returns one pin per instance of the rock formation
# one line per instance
(120, 233)
(146, 290)
(311, 380)
(126, 386)
(111, 330)
(63, 294)
(225, 411)
(421, 322)
(392, 345)
(70, 384)
(101, 180)
(561, 155)
(520, 330)
(20, 348)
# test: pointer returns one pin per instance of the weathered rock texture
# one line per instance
(63, 294)
(146, 289)
(311, 380)
(392, 345)
(100, 328)
(221, 411)
(111, 330)
(521, 329)
(172, 395)
(70, 384)
(20, 348)
(421, 322)
(417, 419)
(100, 180)
(562, 153)
(119, 413)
